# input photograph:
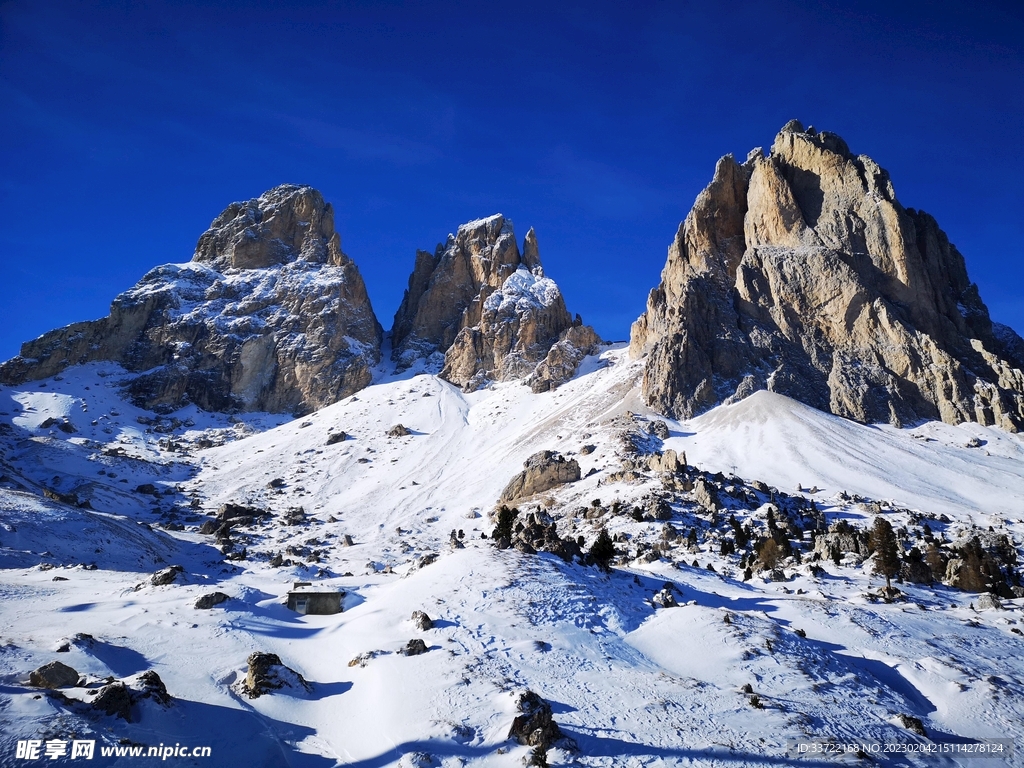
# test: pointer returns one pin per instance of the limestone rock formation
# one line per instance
(541, 472)
(799, 271)
(482, 311)
(269, 315)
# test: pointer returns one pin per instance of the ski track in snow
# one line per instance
(631, 686)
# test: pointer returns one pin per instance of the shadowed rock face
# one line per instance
(484, 311)
(269, 315)
(801, 273)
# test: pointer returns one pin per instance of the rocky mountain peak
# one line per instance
(485, 311)
(286, 223)
(446, 285)
(269, 315)
(800, 272)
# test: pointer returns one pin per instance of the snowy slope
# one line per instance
(929, 467)
(630, 685)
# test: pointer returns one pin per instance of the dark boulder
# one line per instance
(534, 727)
(114, 699)
(207, 601)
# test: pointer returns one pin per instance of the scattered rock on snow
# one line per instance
(534, 727)
(664, 599)
(115, 699)
(422, 621)
(53, 675)
(538, 532)
(267, 673)
(166, 576)
(659, 429)
(361, 660)
(988, 601)
(417, 760)
(150, 686)
(913, 724)
(398, 430)
(207, 601)
(428, 559)
(414, 648)
(238, 514)
(337, 437)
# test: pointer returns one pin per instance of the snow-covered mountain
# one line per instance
(268, 315)
(535, 564)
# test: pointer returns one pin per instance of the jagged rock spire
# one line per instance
(485, 311)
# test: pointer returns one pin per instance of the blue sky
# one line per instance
(126, 127)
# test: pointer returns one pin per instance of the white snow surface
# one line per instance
(630, 685)
(928, 467)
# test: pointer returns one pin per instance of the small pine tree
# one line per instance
(741, 534)
(602, 550)
(506, 519)
(887, 555)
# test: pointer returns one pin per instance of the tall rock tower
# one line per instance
(800, 272)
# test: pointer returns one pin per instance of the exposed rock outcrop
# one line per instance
(538, 532)
(53, 675)
(801, 273)
(269, 315)
(166, 576)
(207, 601)
(534, 726)
(266, 673)
(114, 699)
(482, 311)
(542, 471)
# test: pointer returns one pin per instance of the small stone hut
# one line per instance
(306, 599)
